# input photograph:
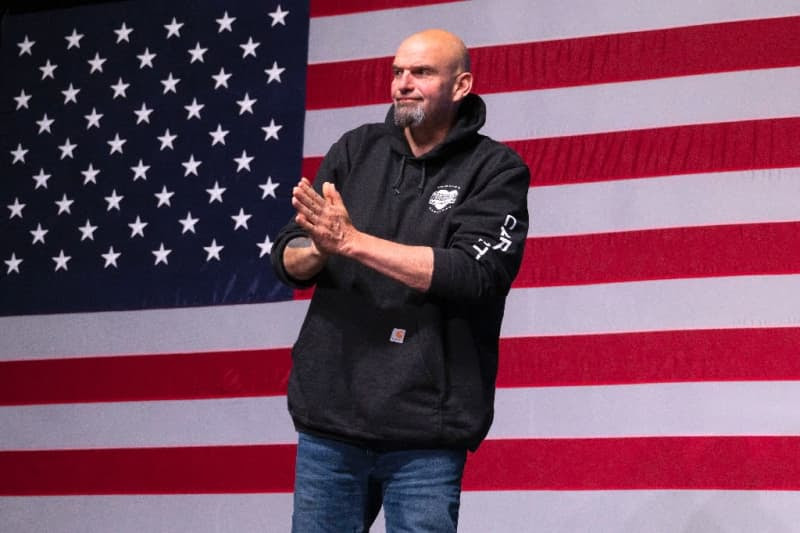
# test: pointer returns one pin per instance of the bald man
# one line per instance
(412, 234)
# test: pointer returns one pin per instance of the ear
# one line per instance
(462, 86)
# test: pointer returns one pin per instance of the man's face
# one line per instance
(422, 83)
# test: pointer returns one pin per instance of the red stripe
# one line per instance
(710, 48)
(693, 252)
(691, 149)
(730, 463)
(752, 144)
(303, 294)
(202, 469)
(727, 463)
(324, 8)
(606, 359)
(152, 377)
(707, 251)
(310, 167)
(324, 88)
(651, 357)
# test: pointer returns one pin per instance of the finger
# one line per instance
(314, 204)
(305, 200)
(331, 194)
(306, 187)
(303, 222)
(303, 210)
(301, 191)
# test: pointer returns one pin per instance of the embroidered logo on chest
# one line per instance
(443, 198)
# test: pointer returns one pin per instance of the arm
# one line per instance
(302, 259)
(410, 265)
(327, 222)
(483, 256)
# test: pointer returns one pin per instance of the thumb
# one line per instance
(331, 194)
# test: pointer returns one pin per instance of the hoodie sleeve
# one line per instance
(484, 252)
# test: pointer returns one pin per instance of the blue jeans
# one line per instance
(339, 488)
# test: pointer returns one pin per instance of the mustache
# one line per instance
(402, 96)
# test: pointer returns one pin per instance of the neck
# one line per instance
(421, 141)
(425, 137)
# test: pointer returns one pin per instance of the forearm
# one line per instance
(410, 265)
(302, 260)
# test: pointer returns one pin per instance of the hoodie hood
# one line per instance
(470, 118)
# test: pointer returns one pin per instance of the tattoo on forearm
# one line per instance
(299, 242)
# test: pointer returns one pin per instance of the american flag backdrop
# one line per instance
(650, 359)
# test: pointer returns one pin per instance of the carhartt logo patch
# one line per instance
(443, 198)
(398, 335)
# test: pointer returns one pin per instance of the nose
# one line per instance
(403, 82)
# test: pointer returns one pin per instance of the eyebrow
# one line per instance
(415, 67)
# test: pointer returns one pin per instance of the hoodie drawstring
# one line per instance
(421, 185)
(399, 180)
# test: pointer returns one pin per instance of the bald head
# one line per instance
(431, 78)
(446, 47)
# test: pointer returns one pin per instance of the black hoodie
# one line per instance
(381, 364)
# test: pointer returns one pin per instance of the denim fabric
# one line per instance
(339, 488)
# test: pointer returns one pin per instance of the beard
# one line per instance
(408, 115)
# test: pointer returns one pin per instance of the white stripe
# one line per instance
(654, 511)
(710, 98)
(678, 304)
(730, 302)
(487, 22)
(191, 513)
(145, 424)
(673, 409)
(324, 127)
(234, 327)
(662, 409)
(675, 201)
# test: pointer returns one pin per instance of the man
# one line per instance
(412, 234)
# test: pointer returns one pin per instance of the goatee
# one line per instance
(408, 115)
